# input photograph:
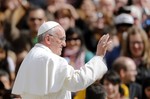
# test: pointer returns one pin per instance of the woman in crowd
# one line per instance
(75, 51)
(136, 46)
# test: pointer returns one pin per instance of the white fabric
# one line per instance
(47, 26)
(47, 75)
(11, 64)
(124, 19)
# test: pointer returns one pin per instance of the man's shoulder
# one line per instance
(136, 85)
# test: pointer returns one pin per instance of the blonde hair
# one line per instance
(146, 53)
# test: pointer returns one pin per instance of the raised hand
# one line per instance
(102, 45)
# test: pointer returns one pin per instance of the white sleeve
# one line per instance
(88, 74)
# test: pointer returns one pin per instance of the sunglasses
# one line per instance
(33, 19)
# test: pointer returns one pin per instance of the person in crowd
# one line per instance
(143, 6)
(112, 85)
(27, 22)
(146, 88)
(107, 7)
(67, 13)
(65, 17)
(68, 17)
(53, 5)
(75, 51)
(7, 7)
(3, 36)
(36, 16)
(6, 62)
(126, 68)
(97, 28)
(16, 18)
(122, 22)
(87, 12)
(119, 5)
(136, 46)
(44, 74)
(96, 91)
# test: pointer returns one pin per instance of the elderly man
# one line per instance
(45, 75)
(126, 68)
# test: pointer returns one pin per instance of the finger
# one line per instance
(104, 39)
(107, 45)
(101, 39)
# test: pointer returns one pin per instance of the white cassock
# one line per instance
(45, 75)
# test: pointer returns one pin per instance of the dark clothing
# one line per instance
(111, 56)
(135, 90)
(90, 42)
(143, 73)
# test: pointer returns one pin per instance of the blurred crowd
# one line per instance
(85, 21)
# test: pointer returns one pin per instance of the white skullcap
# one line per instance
(47, 26)
(124, 19)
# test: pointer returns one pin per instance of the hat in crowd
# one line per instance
(47, 26)
(124, 19)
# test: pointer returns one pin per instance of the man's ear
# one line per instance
(47, 39)
(122, 73)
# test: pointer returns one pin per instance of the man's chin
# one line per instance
(59, 53)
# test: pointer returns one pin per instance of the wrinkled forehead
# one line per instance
(60, 31)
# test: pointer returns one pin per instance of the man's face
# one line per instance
(131, 71)
(58, 41)
(35, 19)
